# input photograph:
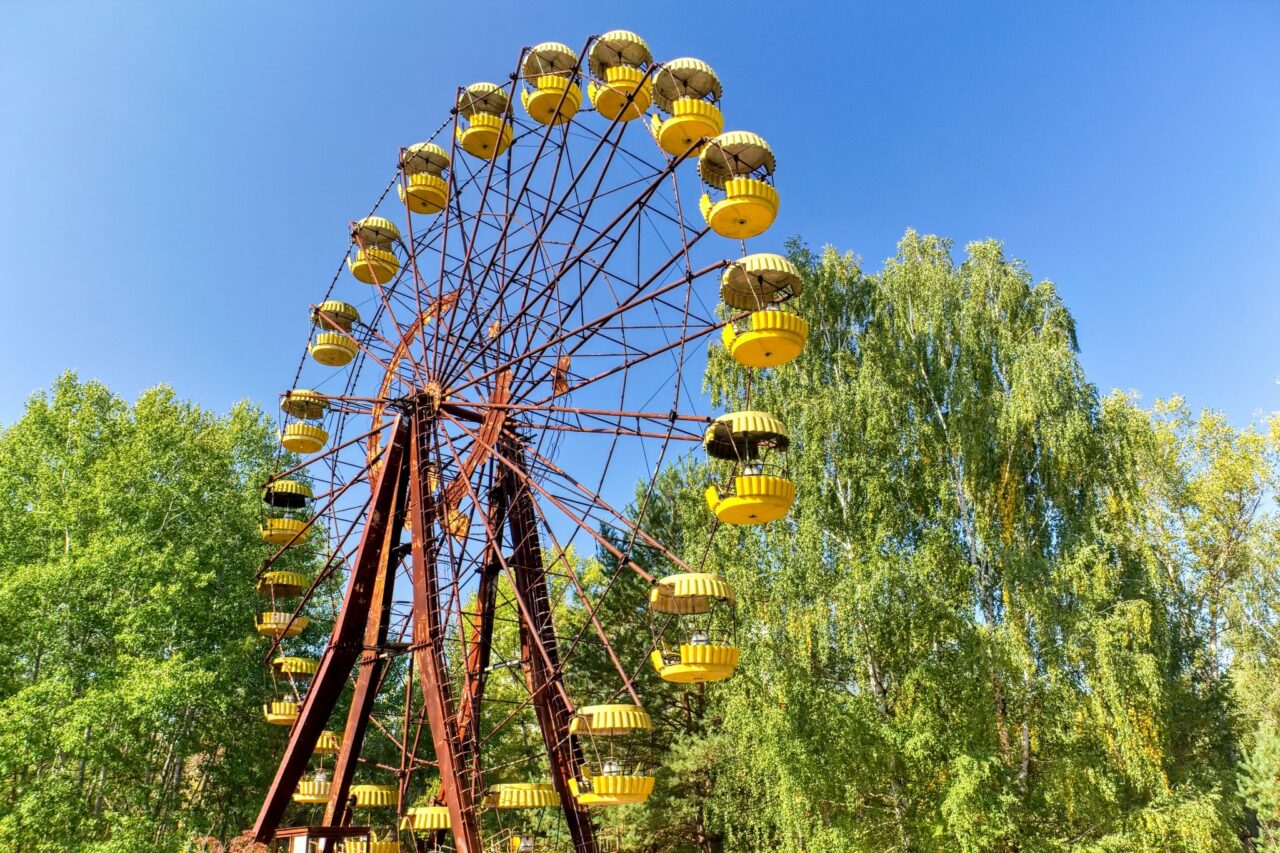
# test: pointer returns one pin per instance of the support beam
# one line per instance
(345, 643)
(481, 647)
(372, 663)
(428, 640)
(552, 709)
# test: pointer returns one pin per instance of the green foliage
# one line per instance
(130, 682)
(961, 637)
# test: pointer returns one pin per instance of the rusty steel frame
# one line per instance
(495, 445)
(543, 671)
(450, 744)
(345, 644)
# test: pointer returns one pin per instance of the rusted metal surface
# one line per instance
(553, 709)
(344, 646)
(372, 664)
(428, 636)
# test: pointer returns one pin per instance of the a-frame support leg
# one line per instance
(549, 703)
(428, 641)
(345, 643)
(372, 664)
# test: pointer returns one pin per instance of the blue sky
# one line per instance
(176, 178)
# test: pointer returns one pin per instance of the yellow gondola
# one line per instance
(373, 238)
(426, 183)
(281, 712)
(740, 165)
(314, 791)
(622, 89)
(328, 743)
(299, 436)
(759, 491)
(276, 623)
(295, 667)
(521, 795)
(688, 92)
(488, 133)
(702, 607)
(333, 345)
(374, 796)
(551, 70)
(620, 776)
(769, 336)
(383, 845)
(287, 500)
(426, 819)
(283, 584)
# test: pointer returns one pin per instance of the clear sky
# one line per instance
(176, 177)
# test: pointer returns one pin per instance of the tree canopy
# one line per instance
(130, 680)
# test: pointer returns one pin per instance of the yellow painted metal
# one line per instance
(328, 743)
(282, 712)
(771, 339)
(609, 720)
(755, 499)
(376, 231)
(424, 158)
(305, 404)
(374, 265)
(424, 192)
(521, 795)
(758, 280)
(303, 667)
(691, 120)
(343, 315)
(291, 494)
(426, 819)
(685, 79)
(374, 796)
(689, 593)
(738, 153)
(697, 664)
(303, 438)
(457, 523)
(482, 98)
(359, 845)
(283, 584)
(275, 623)
(333, 349)
(483, 106)
(740, 435)
(622, 82)
(748, 209)
(550, 57)
(611, 790)
(553, 100)
(486, 136)
(312, 791)
(618, 48)
(283, 531)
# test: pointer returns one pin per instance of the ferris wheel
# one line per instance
(500, 357)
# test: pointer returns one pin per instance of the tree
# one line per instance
(130, 679)
(952, 642)
(1207, 519)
